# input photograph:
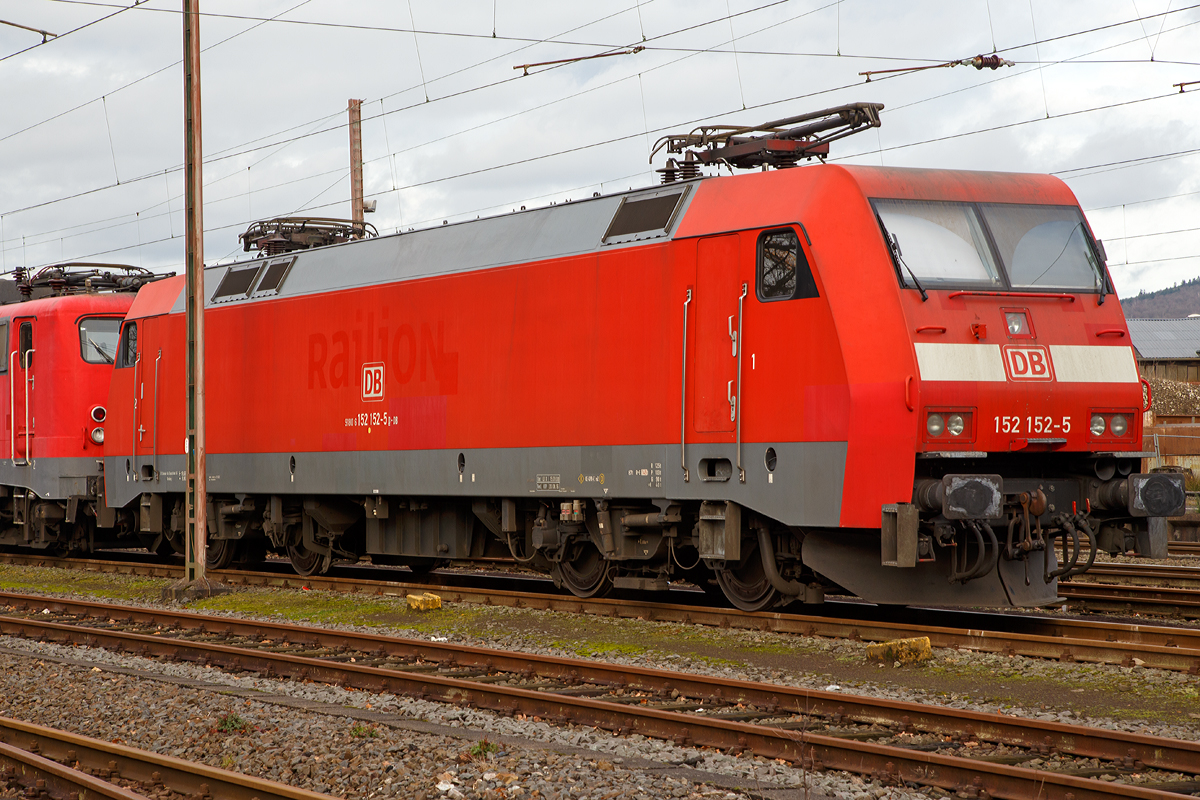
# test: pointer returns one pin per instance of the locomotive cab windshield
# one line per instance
(996, 246)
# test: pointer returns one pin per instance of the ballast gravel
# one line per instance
(359, 744)
(624, 766)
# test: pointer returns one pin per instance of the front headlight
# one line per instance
(935, 424)
(1118, 425)
(1098, 425)
(955, 425)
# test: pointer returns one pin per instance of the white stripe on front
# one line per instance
(1091, 363)
(960, 362)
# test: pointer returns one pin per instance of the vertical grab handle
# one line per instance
(12, 404)
(25, 357)
(683, 395)
(739, 346)
(154, 422)
(137, 362)
(1149, 396)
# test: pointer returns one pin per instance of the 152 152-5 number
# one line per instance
(1032, 424)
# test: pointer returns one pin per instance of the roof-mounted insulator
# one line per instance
(285, 234)
(20, 274)
(669, 172)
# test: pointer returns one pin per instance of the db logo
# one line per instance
(1027, 362)
(372, 381)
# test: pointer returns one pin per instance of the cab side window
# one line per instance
(25, 344)
(783, 270)
(127, 351)
(4, 346)
(98, 339)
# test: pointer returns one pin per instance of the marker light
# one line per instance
(98, 435)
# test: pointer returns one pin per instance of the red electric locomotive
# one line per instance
(58, 331)
(911, 385)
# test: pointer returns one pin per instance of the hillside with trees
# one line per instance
(1174, 302)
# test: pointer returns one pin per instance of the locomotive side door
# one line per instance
(147, 375)
(717, 327)
(21, 385)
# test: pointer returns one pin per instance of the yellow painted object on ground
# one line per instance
(425, 602)
(906, 651)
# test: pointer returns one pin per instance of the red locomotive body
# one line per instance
(58, 349)
(905, 383)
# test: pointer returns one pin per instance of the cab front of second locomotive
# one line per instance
(1029, 402)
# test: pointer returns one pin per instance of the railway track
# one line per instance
(1034, 636)
(895, 741)
(1126, 598)
(1143, 574)
(61, 764)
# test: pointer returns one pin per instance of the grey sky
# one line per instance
(97, 113)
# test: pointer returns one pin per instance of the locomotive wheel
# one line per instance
(583, 570)
(746, 585)
(221, 553)
(306, 562)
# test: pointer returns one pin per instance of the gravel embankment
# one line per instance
(359, 744)
(1117, 698)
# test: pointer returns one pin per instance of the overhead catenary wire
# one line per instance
(46, 43)
(687, 28)
(501, 166)
(136, 81)
(612, 140)
(227, 154)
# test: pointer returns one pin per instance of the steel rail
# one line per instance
(1176, 649)
(1157, 752)
(810, 750)
(37, 775)
(1130, 597)
(52, 747)
(1093, 641)
(1146, 569)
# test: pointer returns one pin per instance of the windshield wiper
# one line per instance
(1101, 267)
(895, 243)
(894, 251)
(107, 358)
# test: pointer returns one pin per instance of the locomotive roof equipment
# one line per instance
(83, 276)
(782, 144)
(285, 234)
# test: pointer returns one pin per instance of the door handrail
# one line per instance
(137, 361)
(12, 403)
(683, 396)
(741, 346)
(28, 379)
(154, 422)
